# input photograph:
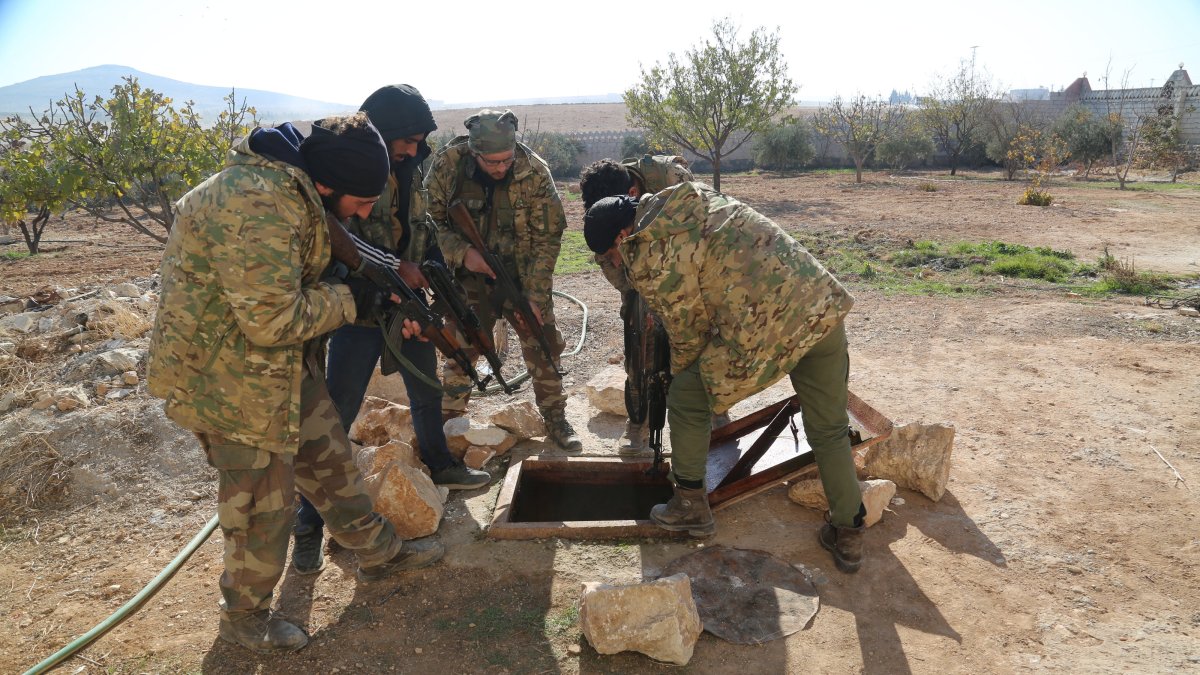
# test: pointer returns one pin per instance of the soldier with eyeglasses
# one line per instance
(510, 194)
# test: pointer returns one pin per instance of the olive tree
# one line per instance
(716, 96)
(31, 181)
(1087, 137)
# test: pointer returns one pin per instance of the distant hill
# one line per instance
(40, 92)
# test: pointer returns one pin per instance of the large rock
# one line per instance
(384, 423)
(521, 419)
(476, 458)
(606, 391)
(70, 398)
(657, 618)
(916, 456)
(126, 290)
(876, 495)
(407, 498)
(19, 323)
(397, 451)
(463, 433)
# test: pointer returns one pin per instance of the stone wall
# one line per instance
(1178, 92)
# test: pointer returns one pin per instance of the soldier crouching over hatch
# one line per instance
(744, 304)
(236, 353)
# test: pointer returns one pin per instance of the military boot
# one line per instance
(262, 631)
(308, 555)
(845, 543)
(687, 510)
(414, 554)
(635, 441)
(559, 430)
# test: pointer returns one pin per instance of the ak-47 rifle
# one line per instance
(411, 305)
(633, 318)
(508, 295)
(448, 296)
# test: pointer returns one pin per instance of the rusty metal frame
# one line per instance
(726, 487)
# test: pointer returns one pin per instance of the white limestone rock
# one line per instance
(408, 499)
(521, 419)
(606, 391)
(916, 456)
(876, 495)
(657, 618)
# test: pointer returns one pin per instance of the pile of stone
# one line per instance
(397, 480)
(61, 349)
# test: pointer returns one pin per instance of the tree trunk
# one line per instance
(716, 160)
(858, 163)
(34, 229)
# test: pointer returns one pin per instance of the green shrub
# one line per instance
(1035, 197)
(927, 187)
(784, 147)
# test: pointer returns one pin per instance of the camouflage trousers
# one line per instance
(547, 384)
(820, 381)
(256, 495)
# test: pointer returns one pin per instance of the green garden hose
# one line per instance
(524, 374)
(135, 603)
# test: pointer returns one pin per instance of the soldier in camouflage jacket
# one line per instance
(502, 181)
(236, 354)
(744, 305)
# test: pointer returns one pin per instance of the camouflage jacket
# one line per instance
(384, 230)
(655, 173)
(734, 290)
(241, 295)
(529, 213)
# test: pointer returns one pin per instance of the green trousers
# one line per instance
(820, 381)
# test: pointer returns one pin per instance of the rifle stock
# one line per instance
(512, 301)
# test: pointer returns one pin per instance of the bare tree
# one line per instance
(956, 111)
(860, 125)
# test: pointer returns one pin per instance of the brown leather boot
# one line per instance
(845, 543)
(262, 631)
(686, 511)
(559, 430)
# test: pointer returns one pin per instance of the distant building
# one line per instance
(1177, 92)
(1039, 94)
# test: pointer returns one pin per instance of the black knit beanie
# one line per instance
(354, 162)
(399, 111)
(605, 220)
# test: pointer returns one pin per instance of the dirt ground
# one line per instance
(1064, 543)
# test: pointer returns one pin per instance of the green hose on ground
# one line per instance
(130, 607)
(135, 603)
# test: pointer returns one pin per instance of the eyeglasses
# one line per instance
(496, 163)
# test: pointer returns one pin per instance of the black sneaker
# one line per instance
(461, 477)
(415, 553)
(308, 555)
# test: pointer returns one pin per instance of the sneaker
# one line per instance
(308, 555)
(559, 430)
(721, 420)
(262, 631)
(414, 554)
(461, 477)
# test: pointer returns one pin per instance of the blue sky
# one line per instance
(467, 51)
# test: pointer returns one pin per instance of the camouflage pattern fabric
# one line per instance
(733, 289)
(659, 172)
(241, 294)
(528, 234)
(547, 385)
(655, 173)
(530, 217)
(256, 494)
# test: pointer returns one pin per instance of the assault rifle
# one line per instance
(448, 296)
(411, 305)
(648, 371)
(507, 294)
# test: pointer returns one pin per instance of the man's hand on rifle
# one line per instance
(410, 272)
(537, 313)
(411, 329)
(474, 262)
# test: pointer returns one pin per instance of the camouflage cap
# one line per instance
(492, 131)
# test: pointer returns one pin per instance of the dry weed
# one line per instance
(111, 319)
(32, 473)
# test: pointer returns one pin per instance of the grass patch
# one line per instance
(1131, 186)
(574, 256)
(927, 187)
(16, 255)
(557, 623)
